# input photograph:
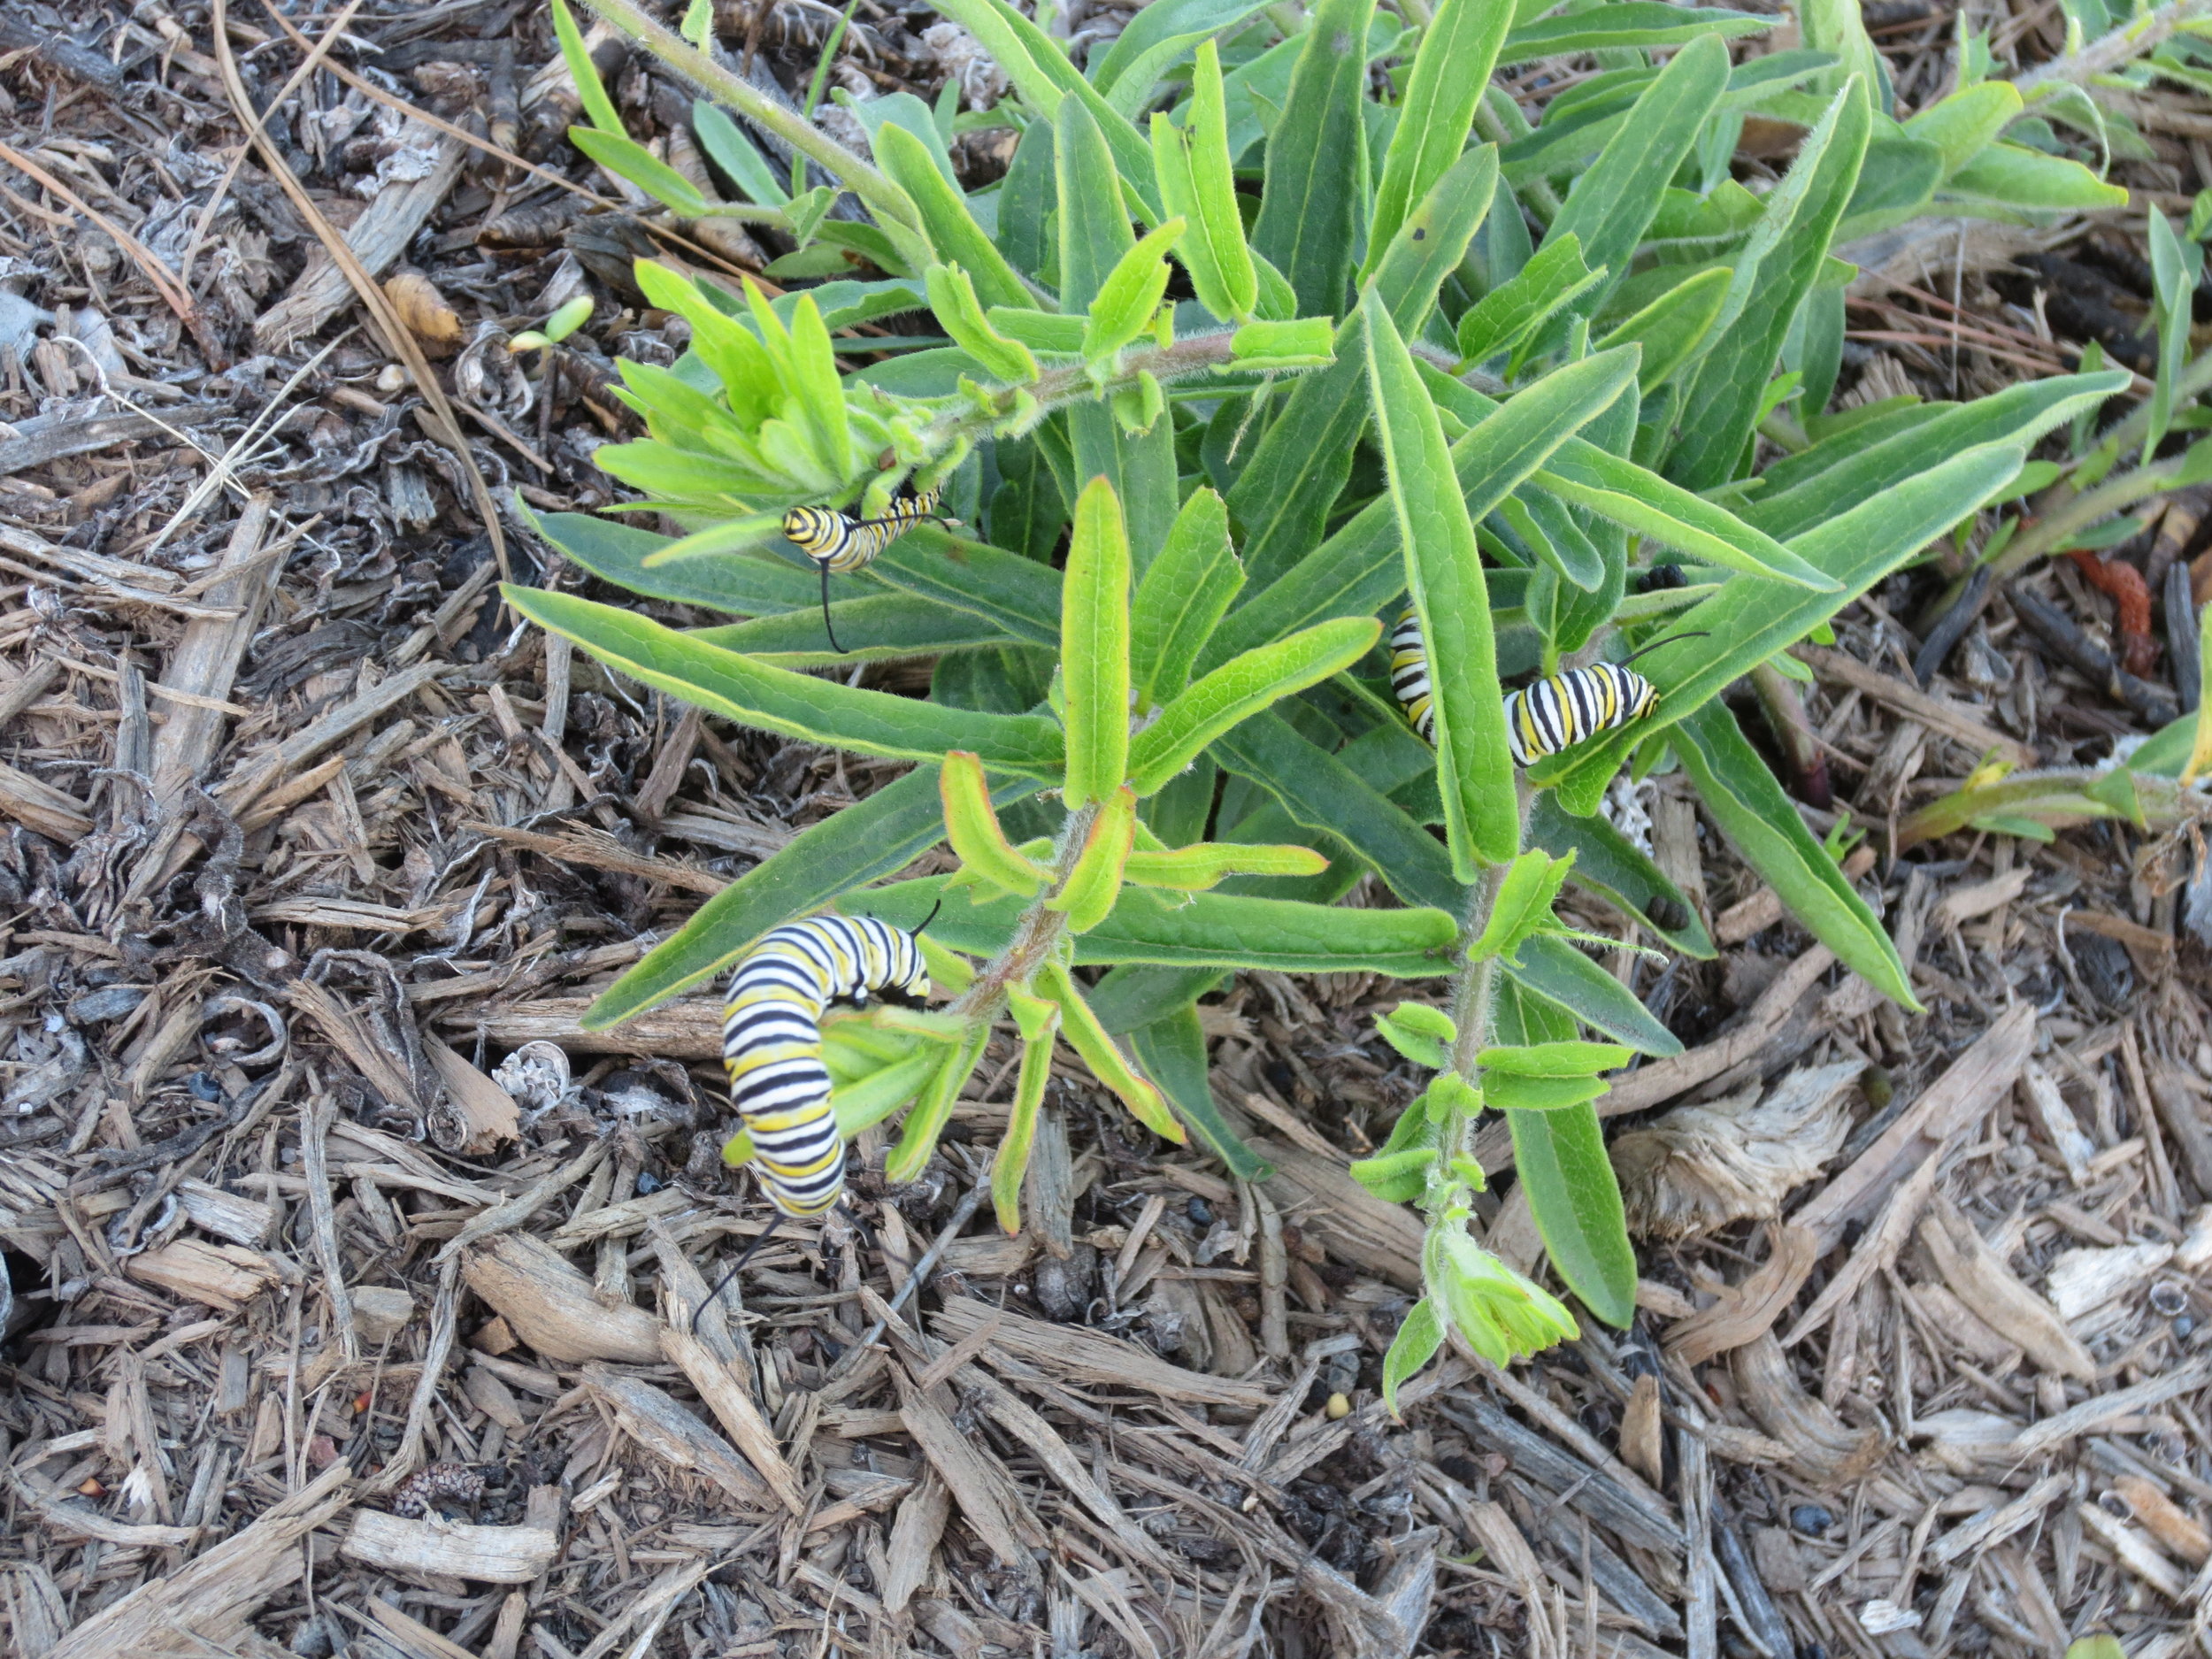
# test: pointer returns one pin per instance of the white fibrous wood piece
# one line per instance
(225, 1215)
(432, 1547)
(2082, 1280)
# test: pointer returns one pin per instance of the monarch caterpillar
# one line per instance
(1660, 578)
(836, 541)
(1541, 719)
(772, 1044)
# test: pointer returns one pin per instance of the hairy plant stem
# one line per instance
(1475, 994)
(2136, 38)
(1035, 934)
(708, 77)
(1057, 388)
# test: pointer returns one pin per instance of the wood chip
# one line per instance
(550, 1305)
(1092, 1357)
(434, 1548)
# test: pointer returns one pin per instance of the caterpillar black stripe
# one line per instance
(1409, 675)
(837, 542)
(771, 1043)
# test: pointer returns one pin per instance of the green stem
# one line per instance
(1473, 998)
(2110, 51)
(704, 75)
(1057, 388)
(2078, 512)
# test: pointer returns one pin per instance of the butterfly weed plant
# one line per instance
(1418, 353)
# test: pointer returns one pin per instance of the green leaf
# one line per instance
(1554, 970)
(1172, 1051)
(1860, 464)
(1562, 1166)
(2175, 268)
(1672, 326)
(1563, 1058)
(1181, 599)
(1124, 306)
(1451, 70)
(1283, 497)
(1432, 239)
(793, 705)
(1310, 210)
(1205, 864)
(590, 91)
(1046, 80)
(1619, 491)
(1320, 791)
(1641, 24)
(745, 584)
(1396, 1177)
(1962, 126)
(1420, 1333)
(1131, 997)
(1095, 648)
(1239, 689)
(1197, 185)
(1763, 824)
(1607, 863)
(1094, 237)
(1576, 1202)
(1523, 905)
(1555, 276)
(627, 158)
(1017, 594)
(1801, 214)
(952, 234)
(1419, 1040)
(2012, 179)
(1154, 39)
(876, 836)
(1444, 573)
(1026, 202)
(1749, 619)
(883, 627)
(1220, 931)
(729, 149)
(1612, 204)
(1510, 1091)
(952, 297)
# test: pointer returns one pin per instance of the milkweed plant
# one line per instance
(1424, 354)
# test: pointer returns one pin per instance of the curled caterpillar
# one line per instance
(1659, 578)
(836, 541)
(771, 1043)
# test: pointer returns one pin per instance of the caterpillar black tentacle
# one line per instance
(839, 542)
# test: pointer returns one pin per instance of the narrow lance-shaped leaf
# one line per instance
(1432, 238)
(933, 1111)
(1240, 689)
(1451, 71)
(2175, 268)
(1095, 647)
(1196, 184)
(1107, 1063)
(952, 297)
(876, 836)
(1724, 404)
(1420, 1333)
(1124, 305)
(1523, 905)
(1566, 1058)
(591, 92)
(730, 150)
(1195, 869)
(1444, 573)
(1560, 1157)
(1310, 210)
(1092, 885)
(1182, 598)
(627, 158)
(1039, 1023)
(790, 705)
(972, 829)
(1613, 203)
(1173, 1051)
(1762, 823)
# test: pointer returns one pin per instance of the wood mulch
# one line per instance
(360, 1299)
